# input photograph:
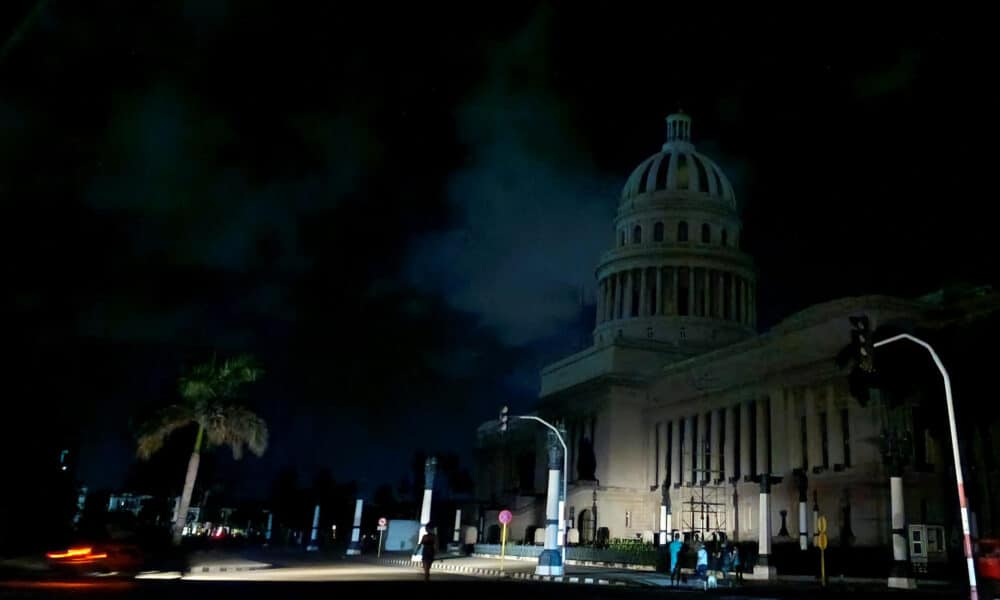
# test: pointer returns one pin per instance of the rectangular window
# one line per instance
(683, 280)
(824, 439)
(768, 433)
(656, 444)
(753, 437)
(694, 446)
(721, 414)
(845, 426)
(736, 443)
(804, 440)
(668, 467)
(706, 464)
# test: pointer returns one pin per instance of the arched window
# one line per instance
(658, 232)
(621, 238)
(637, 235)
(706, 233)
(682, 231)
(725, 238)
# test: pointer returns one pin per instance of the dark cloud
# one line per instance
(531, 213)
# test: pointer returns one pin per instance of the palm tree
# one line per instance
(209, 394)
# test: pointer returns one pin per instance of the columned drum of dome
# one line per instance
(674, 250)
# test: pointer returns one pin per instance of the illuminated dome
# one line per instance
(679, 169)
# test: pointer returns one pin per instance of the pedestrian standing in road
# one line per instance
(428, 545)
(726, 562)
(701, 566)
(675, 566)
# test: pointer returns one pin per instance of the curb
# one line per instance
(443, 566)
(218, 569)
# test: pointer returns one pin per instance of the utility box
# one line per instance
(927, 546)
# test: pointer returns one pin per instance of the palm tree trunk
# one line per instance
(192, 474)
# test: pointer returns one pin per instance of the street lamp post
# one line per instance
(562, 503)
(960, 482)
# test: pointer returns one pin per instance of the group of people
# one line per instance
(726, 558)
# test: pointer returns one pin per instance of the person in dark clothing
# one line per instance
(428, 545)
(675, 552)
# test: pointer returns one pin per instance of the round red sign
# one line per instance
(505, 517)
(382, 521)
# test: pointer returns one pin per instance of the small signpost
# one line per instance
(505, 517)
(382, 526)
(822, 541)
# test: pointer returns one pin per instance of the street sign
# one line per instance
(505, 517)
(382, 522)
(822, 541)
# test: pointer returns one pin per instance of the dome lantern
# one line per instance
(678, 130)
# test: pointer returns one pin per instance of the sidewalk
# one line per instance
(512, 569)
(787, 586)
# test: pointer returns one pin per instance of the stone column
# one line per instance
(659, 291)
(779, 442)
(629, 292)
(430, 467)
(802, 480)
(354, 548)
(665, 524)
(720, 296)
(550, 561)
(793, 430)
(835, 430)
(609, 301)
(674, 289)
(764, 569)
(599, 300)
(899, 575)
(716, 447)
(643, 288)
(813, 439)
(616, 310)
(691, 311)
(456, 536)
(675, 452)
(312, 547)
(706, 309)
(762, 442)
(688, 456)
(746, 470)
(729, 451)
(732, 297)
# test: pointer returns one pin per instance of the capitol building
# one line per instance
(683, 416)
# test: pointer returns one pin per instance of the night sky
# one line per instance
(399, 210)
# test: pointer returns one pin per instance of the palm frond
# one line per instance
(157, 429)
(236, 427)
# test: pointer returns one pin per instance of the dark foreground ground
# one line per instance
(443, 587)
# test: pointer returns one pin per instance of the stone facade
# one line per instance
(679, 390)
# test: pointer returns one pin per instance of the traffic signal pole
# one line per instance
(504, 415)
(960, 481)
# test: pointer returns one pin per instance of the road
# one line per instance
(321, 578)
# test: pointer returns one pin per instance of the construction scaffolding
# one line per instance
(706, 512)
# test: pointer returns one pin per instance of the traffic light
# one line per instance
(862, 343)
(503, 419)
